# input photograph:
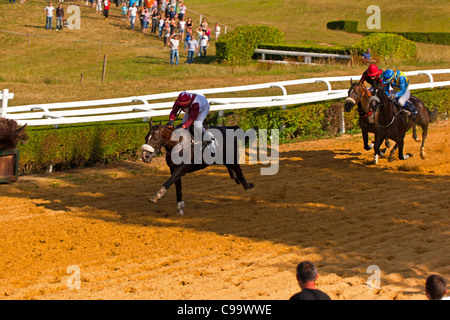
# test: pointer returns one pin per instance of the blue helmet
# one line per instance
(388, 75)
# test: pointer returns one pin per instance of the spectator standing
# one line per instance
(98, 8)
(145, 20)
(59, 17)
(217, 31)
(166, 34)
(183, 9)
(188, 37)
(161, 24)
(132, 12)
(367, 56)
(306, 277)
(49, 14)
(106, 5)
(436, 287)
(163, 7)
(174, 43)
(124, 11)
(155, 18)
(204, 42)
(208, 33)
(182, 25)
(192, 47)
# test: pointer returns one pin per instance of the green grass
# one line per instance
(47, 65)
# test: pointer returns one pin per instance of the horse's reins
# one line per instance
(177, 133)
(390, 123)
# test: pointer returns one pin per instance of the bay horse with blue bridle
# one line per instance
(159, 137)
(392, 122)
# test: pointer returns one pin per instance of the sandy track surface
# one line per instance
(327, 204)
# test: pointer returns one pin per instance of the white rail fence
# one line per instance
(307, 55)
(147, 106)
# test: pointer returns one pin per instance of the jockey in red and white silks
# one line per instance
(196, 108)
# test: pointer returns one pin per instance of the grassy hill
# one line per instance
(40, 65)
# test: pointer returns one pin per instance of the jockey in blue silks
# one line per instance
(399, 83)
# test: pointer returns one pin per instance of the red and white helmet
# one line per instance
(372, 70)
(184, 98)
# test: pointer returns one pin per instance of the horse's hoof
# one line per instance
(153, 199)
(407, 156)
(250, 186)
(422, 154)
(180, 208)
(391, 159)
(158, 196)
(375, 159)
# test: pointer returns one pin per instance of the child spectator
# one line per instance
(124, 11)
(106, 5)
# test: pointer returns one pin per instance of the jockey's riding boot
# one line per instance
(412, 109)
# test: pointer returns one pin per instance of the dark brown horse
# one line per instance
(359, 95)
(393, 123)
(160, 137)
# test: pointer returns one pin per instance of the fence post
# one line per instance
(4, 105)
(104, 68)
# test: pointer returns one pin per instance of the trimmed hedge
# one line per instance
(423, 37)
(387, 46)
(240, 44)
(80, 145)
(345, 25)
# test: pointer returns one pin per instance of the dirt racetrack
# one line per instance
(327, 204)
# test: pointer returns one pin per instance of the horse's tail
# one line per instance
(433, 114)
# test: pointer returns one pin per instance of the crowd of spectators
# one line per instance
(166, 20)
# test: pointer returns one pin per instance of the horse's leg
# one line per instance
(247, 185)
(233, 174)
(376, 148)
(178, 172)
(424, 136)
(392, 153)
(180, 202)
(402, 156)
(415, 133)
(387, 143)
(365, 135)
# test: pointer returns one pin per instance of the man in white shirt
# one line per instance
(192, 46)
(174, 43)
(132, 12)
(49, 12)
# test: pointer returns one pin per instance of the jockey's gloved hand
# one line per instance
(170, 124)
